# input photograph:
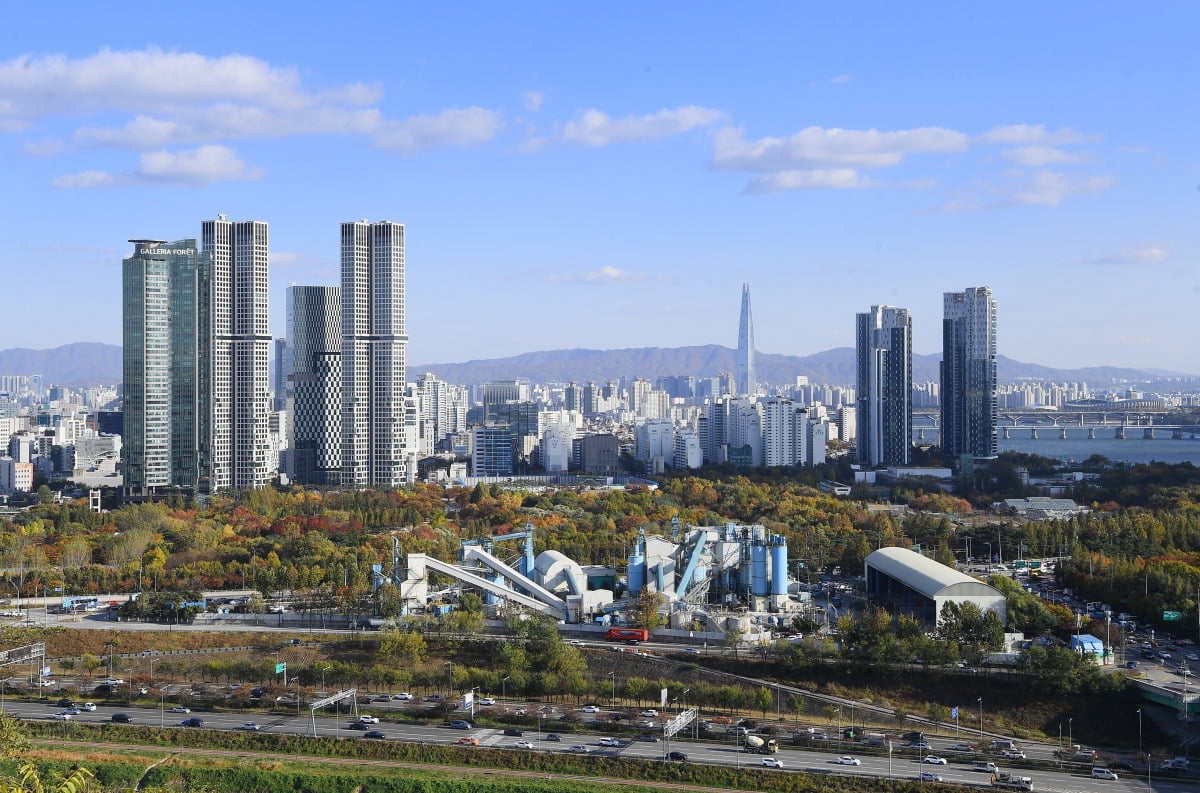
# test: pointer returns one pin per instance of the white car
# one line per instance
(523, 745)
(88, 706)
(929, 776)
(610, 741)
(405, 697)
(847, 760)
(962, 747)
(579, 749)
(772, 762)
(180, 709)
(46, 683)
(64, 716)
(249, 726)
(649, 713)
(590, 709)
(487, 701)
(934, 760)
(367, 720)
(1103, 773)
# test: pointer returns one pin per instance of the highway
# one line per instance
(903, 764)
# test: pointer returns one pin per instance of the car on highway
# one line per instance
(465, 741)
(737, 730)
(513, 732)
(1103, 773)
(523, 745)
(929, 776)
(194, 721)
(648, 738)
(460, 724)
(847, 760)
(553, 736)
(922, 745)
(590, 709)
(610, 741)
(678, 757)
(122, 718)
(378, 735)
(1013, 754)
(933, 759)
(962, 747)
(382, 698)
(180, 709)
(46, 683)
(403, 697)
(579, 749)
(72, 711)
(364, 719)
(66, 703)
(358, 725)
(649, 713)
(88, 706)
(434, 698)
(774, 762)
(64, 716)
(487, 701)
(249, 726)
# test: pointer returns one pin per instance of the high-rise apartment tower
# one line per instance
(314, 330)
(377, 449)
(968, 381)
(884, 415)
(235, 355)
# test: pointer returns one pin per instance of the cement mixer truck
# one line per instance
(756, 745)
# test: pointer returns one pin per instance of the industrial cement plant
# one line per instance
(698, 569)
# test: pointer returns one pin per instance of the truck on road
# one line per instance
(627, 634)
(756, 745)
(1008, 781)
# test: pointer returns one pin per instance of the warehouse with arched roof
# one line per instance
(905, 582)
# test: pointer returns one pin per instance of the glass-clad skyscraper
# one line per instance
(161, 334)
(968, 373)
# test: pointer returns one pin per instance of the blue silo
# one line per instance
(779, 565)
(759, 584)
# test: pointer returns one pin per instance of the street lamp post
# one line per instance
(1139, 712)
(613, 702)
(980, 701)
(324, 669)
(503, 690)
(450, 665)
(1071, 732)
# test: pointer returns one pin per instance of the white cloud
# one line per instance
(595, 128)
(818, 148)
(605, 275)
(1033, 135)
(532, 100)
(840, 178)
(164, 99)
(1146, 253)
(190, 168)
(1038, 156)
(1049, 188)
(840, 79)
(465, 127)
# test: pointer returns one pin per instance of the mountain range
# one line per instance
(94, 363)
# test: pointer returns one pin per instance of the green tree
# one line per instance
(646, 611)
(403, 649)
(763, 699)
(944, 555)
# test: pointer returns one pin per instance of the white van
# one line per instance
(984, 765)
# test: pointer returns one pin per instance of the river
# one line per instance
(1078, 446)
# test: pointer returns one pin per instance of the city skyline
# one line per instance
(624, 191)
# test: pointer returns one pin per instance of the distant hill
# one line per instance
(93, 363)
(83, 363)
(836, 366)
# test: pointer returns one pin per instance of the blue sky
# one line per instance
(607, 175)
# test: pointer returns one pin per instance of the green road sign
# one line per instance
(279, 668)
(1172, 616)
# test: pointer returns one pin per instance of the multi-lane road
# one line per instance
(903, 764)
